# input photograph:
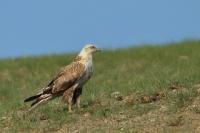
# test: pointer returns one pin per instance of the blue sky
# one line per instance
(55, 26)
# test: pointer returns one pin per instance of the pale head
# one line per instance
(88, 50)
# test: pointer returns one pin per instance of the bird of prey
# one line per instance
(69, 81)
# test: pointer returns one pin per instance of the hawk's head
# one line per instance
(88, 49)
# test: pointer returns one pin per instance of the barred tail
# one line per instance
(32, 98)
(41, 100)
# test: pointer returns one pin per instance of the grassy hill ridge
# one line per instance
(148, 88)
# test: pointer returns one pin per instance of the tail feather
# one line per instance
(32, 98)
(34, 102)
(41, 97)
(40, 101)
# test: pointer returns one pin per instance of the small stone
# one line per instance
(128, 100)
(184, 57)
(87, 114)
(197, 86)
(114, 94)
(76, 131)
(117, 95)
(3, 118)
(43, 117)
(105, 120)
(198, 91)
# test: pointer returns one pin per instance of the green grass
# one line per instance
(134, 72)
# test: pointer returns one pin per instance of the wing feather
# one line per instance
(67, 77)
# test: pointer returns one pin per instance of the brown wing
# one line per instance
(66, 77)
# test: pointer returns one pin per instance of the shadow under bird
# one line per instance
(69, 81)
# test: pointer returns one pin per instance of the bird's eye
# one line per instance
(92, 47)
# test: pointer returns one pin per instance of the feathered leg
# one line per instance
(68, 97)
(70, 105)
(72, 96)
(77, 97)
(78, 102)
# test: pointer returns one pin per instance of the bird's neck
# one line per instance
(84, 58)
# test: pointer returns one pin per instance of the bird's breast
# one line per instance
(87, 75)
(89, 71)
(89, 67)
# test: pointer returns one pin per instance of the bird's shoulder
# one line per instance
(73, 68)
(69, 72)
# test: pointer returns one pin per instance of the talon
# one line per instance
(70, 111)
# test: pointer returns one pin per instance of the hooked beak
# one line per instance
(98, 50)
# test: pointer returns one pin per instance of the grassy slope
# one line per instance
(136, 73)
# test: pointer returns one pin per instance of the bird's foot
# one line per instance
(80, 109)
(70, 111)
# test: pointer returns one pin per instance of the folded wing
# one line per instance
(65, 79)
